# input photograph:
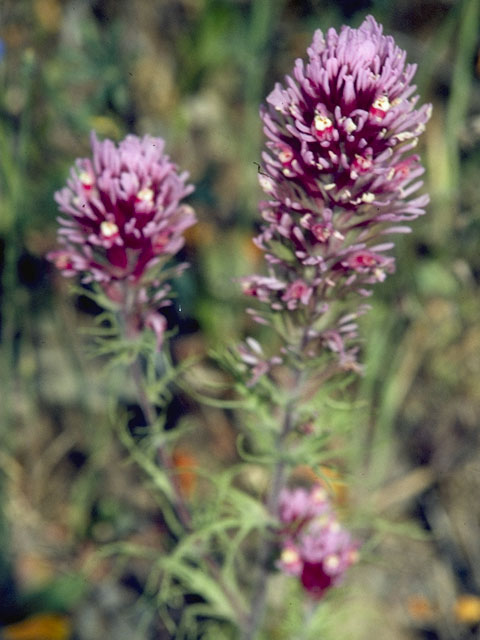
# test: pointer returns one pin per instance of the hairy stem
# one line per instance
(278, 481)
(257, 609)
(165, 459)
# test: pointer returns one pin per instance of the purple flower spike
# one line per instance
(339, 171)
(124, 220)
(123, 211)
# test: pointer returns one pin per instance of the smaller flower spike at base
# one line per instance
(339, 175)
(124, 221)
(315, 547)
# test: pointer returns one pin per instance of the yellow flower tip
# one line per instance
(319, 495)
(108, 229)
(332, 561)
(380, 107)
(382, 103)
(467, 609)
(289, 556)
(368, 197)
(350, 126)
(322, 123)
(86, 179)
(145, 195)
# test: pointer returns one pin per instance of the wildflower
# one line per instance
(123, 211)
(338, 172)
(315, 547)
(123, 221)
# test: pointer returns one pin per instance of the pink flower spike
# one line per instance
(346, 119)
(315, 546)
(124, 219)
(123, 210)
(339, 175)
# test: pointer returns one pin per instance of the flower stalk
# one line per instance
(164, 456)
(339, 176)
(267, 544)
(124, 222)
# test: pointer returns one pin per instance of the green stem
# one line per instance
(257, 610)
(165, 459)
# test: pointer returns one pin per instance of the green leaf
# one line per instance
(59, 595)
(196, 580)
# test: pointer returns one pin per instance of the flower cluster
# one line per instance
(315, 547)
(123, 222)
(338, 172)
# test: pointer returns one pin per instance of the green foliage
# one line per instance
(60, 595)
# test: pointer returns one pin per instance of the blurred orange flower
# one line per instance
(46, 626)
(420, 608)
(184, 462)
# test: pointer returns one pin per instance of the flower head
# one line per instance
(123, 212)
(339, 172)
(123, 220)
(315, 547)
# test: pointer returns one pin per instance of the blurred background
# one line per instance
(195, 72)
